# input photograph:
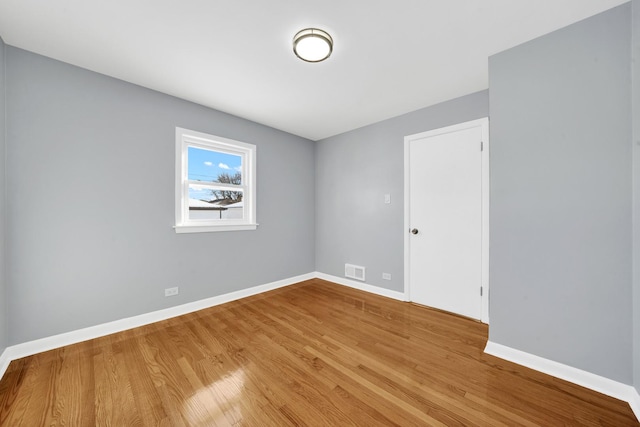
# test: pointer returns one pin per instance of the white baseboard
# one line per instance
(362, 286)
(5, 359)
(49, 343)
(568, 373)
(635, 403)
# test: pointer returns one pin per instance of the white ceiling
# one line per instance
(390, 57)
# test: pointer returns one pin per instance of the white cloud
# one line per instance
(208, 164)
(223, 166)
(238, 168)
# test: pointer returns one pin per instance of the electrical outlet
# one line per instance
(386, 276)
(169, 292)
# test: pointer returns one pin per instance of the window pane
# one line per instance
(203, 205)
(215, 183)
(214, 166)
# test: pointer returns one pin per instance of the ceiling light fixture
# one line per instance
(312, 45)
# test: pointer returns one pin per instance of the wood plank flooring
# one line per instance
(314, 353)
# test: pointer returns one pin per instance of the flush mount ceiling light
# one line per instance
(312, 45)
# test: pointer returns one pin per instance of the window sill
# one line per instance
(213, 228)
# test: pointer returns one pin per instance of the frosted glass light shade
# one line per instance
(312, 45)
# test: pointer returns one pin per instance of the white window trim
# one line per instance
(186, 138)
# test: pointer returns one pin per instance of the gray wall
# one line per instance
(3, 283)
(635, 79)
(90, 208)
(354, 171)
(561, 196)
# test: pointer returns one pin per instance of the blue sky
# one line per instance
(206, 165)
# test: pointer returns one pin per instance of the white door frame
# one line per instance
(484, 125)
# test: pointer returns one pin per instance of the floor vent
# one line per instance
(354, 272)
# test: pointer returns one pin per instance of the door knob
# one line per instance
(414, 231)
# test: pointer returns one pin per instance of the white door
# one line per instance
(445, 218)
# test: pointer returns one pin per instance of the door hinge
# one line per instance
(480, 290)
(481, 145)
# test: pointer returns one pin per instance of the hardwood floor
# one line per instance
(314, 353)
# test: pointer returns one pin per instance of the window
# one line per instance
(215, 183)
